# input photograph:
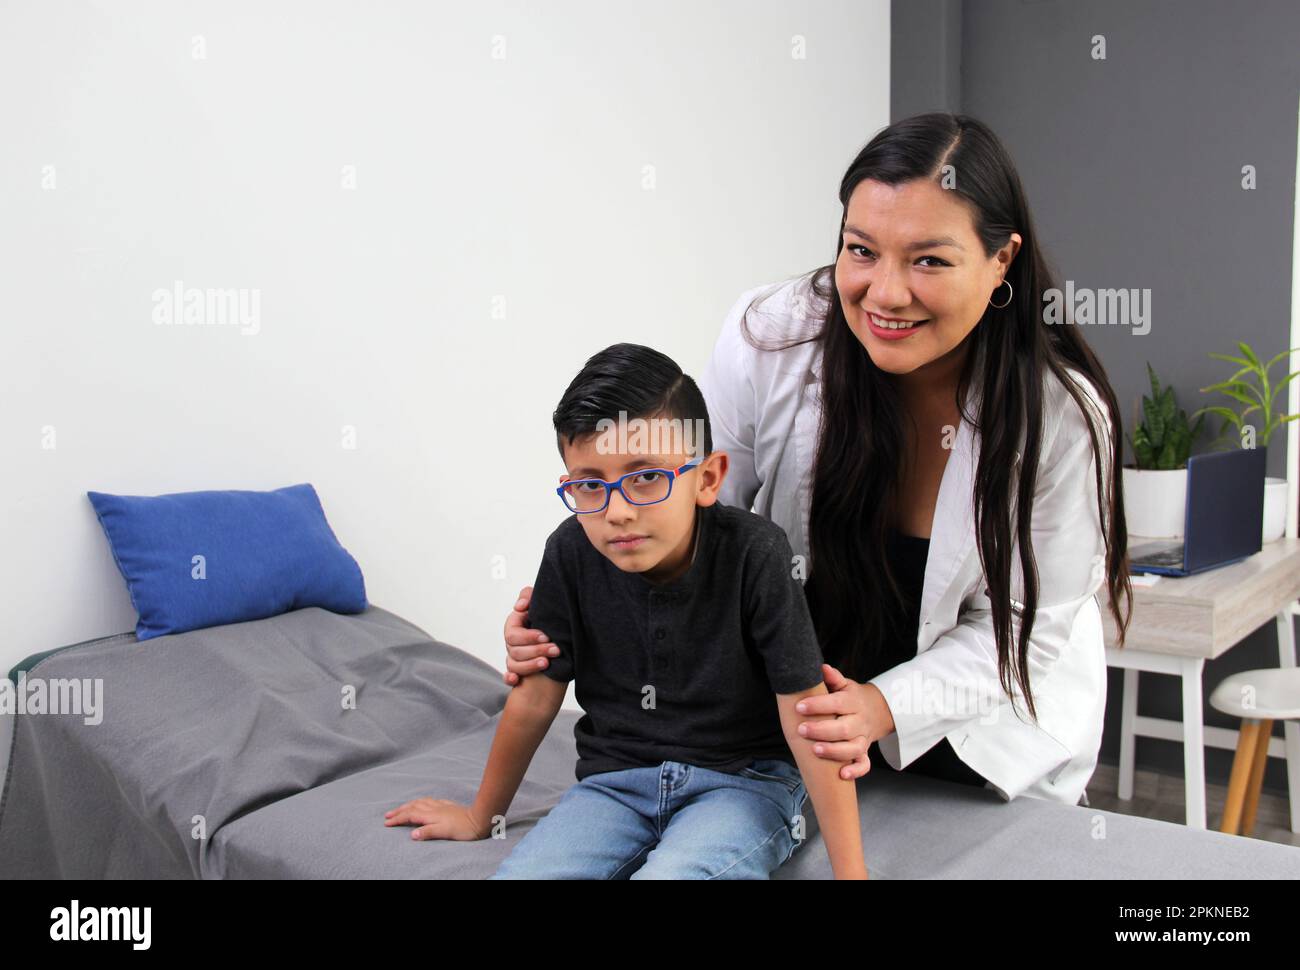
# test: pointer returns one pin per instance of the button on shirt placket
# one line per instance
(660, 653)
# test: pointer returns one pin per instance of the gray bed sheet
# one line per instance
(242, 727)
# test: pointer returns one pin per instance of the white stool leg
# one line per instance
(1291, 729)
(1194, 741)
(1127, 737)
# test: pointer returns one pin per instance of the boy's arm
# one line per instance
(835, 799)
(530, 708)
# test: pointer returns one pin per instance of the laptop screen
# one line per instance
(1225, 506)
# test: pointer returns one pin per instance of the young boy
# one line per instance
(691, 643)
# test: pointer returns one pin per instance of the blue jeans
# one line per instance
(674, 821)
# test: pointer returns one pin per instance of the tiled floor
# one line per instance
(1161, 796)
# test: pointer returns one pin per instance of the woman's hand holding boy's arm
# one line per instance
(835, 799)
(526, 649)
(845, 721)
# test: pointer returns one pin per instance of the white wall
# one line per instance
(476, 177)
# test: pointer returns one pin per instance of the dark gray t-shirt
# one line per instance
(686, 671)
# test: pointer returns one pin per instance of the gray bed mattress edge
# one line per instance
(271, 749)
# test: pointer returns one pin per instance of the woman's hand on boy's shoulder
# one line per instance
(438, 818)
(526, 649)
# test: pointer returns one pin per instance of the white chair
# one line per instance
(1258, 697)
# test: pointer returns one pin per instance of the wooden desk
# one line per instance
(1181, 622)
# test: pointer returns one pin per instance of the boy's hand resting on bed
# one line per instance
(526, 649)
(438, 818)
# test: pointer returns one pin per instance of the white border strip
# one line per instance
(1293, 392)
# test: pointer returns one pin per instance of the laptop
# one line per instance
(1224, 517)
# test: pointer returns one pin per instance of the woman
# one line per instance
(946, 465)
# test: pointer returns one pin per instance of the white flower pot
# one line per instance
(1155, 502)
(1274, 508)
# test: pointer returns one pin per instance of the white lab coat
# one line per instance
(764, 409)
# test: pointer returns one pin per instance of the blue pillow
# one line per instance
(199, 559)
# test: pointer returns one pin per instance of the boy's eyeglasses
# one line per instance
(645, 486)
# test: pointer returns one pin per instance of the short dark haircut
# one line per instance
(637, 380)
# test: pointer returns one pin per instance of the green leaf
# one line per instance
(1234, 360)
(1277, 389)
(1153, 422)
(1236, 392)
(1155, 384)
(1226, 413)
(1141, 447)
(1238, 375)
(1185, 439)
(1168, 457)
(1230, 382)
(1249, 354)
(1262, 398)
(1279, 356)
(1168, 405)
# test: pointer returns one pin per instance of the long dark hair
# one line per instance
(861, 435)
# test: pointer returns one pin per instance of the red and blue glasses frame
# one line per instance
(672, 473)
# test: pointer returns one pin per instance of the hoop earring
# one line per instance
(1010, 294)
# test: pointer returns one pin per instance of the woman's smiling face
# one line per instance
(909, 253)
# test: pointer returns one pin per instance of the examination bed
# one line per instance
(272, 749)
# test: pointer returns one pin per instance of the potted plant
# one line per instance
(1155, 487)
(1250, 386)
